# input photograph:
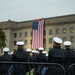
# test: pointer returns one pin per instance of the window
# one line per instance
(20, 40)
(50, 40)
(44, 32)
(20, 34)
(14, 42)
(71, 29)
(64, 31)
(50, 32)
(44, 40)
(57, 31)
(26, 34)
(15, 35)
(26, 42)
(64, 38)
(72, 38)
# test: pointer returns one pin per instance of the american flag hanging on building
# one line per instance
(37, 33)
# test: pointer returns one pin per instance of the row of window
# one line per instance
(57, 31)
(64, 30)
(50, 40)
(20, 34)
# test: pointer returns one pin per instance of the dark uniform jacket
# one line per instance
(29, 58)
(56, 55)
(20, 56)
(34, 58)
(41, 58)
(69, 57)
(5, 67)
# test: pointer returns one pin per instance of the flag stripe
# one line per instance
(37, 35)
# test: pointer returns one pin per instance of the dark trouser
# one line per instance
(19, 69)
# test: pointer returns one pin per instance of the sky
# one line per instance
(24, 10)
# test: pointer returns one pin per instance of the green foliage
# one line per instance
(32, 72)
(2, 39)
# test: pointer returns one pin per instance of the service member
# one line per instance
(28, 50)
(56, 55)
(5, 57)
(20, 56)
(69, 56)
(41, 58)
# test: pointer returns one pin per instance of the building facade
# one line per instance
(60, 26)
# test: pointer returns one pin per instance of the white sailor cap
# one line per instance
(67, 43)
(36, 51)
(33, 51)
(57, 40)
(40, 48)
(20, 43)
(28, 50)
(44, 52)
(5, 49)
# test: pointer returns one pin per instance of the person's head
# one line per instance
(36, 51)
(57, 42)
(6, 50)
(41, 49)
(33, 52)
(20, 44)
(67, 44)
(28, 50)
(44, 52)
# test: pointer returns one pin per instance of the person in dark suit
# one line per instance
(5, 57)
(41, 58)
(28, 50)
(56, 55)
(34, 59)
(34, 56)
(69, 57)
(20, 56)
(45, 53)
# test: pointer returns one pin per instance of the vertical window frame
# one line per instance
(72, 30)
(57, 31)
(50, 32)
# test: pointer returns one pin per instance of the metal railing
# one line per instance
(31, 68)
(71, 70)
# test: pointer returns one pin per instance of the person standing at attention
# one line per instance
(56, 55)
(20, 56)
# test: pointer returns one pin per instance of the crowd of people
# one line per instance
(58, 55)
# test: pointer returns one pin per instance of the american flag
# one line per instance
(37, 34)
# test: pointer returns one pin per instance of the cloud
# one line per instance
(30, 9)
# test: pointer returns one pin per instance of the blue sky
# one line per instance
(23, 10)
